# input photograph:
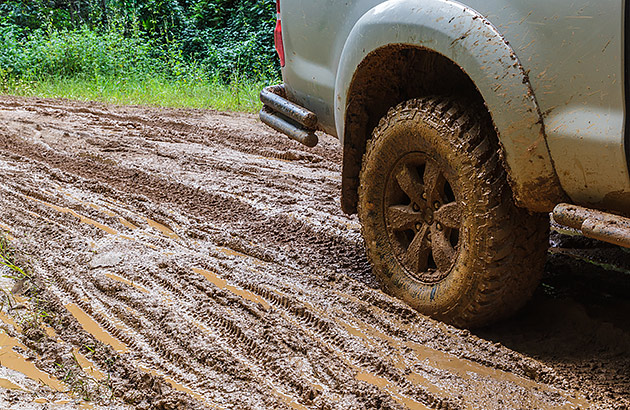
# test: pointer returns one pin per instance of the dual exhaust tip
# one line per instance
(286, 117)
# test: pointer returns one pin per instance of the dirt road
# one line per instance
(195, 259)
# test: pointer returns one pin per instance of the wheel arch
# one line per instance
(401, 50)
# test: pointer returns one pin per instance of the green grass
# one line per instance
(237, 95)
(8, 259)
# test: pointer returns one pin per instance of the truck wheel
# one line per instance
(439, 222)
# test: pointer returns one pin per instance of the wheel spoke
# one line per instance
(417, 256)
(402, 218)
(449, 215)
(432, 181)
(410, 183)
(443, 252)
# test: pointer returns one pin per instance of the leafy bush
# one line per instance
(174, 40)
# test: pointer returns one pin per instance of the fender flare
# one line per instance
(467, 38)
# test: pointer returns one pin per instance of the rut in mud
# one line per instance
(201, 260)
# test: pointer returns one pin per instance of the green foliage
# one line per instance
(81, 52)
(181, 42)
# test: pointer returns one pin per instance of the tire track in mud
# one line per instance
(226, 326)
(233, 269)
(257, 226)
(279, 229)
(299, 314)
(160, 356)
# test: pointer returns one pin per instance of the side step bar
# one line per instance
(286, 117)
(594, 224)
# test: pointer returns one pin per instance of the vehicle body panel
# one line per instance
(314, 34)
(551, 74)
(575, 54)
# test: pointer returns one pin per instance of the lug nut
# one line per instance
(424, 196)
(415, 207)
(418, 226)
(436, 205)
(439, 226)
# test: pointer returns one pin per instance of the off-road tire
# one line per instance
(459, 250)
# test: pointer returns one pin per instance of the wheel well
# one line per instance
(385, 78)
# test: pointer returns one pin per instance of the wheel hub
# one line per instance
(423, 217)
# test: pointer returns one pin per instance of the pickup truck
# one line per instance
(463, 126)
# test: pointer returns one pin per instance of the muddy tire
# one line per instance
(440, 225)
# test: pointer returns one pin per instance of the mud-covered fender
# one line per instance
(468, 39)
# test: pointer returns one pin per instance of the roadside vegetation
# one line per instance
(174, 53)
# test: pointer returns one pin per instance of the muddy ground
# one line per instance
(196, 259)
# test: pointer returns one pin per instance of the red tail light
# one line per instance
(277, 35)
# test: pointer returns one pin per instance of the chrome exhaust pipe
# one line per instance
(286, 117)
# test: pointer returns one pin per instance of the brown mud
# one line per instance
(195, 259)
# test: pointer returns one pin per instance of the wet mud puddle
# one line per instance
(15, 361)
(95, 329)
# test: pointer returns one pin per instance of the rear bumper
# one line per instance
(594, 224)
(286, 117)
